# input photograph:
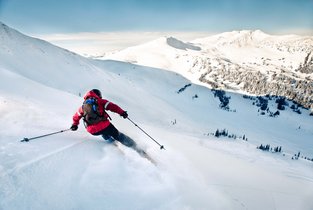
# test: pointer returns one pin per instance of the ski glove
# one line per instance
(74, 127)
(124, 115)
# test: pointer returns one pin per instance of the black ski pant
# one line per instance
(111, 133)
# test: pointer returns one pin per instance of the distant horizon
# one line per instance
(144, 19)
(99, 43)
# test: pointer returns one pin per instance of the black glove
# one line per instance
(124, 115)
(74, 127)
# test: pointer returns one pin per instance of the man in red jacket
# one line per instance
(102, 126)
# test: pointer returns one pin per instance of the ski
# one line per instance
(143, 154)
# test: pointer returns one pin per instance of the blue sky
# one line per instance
(73, 16)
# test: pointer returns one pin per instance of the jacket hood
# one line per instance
(91, 94)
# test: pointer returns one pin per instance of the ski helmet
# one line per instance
(97, 92)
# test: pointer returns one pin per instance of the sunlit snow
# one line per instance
(40, 89)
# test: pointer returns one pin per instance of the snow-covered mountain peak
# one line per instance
(173, 42)
(244, 34)
(247, 38)
(168, 42)
(38, 59)
(232, 60)
(258, 39)
(242, 38)
(7, 32)
(5, 27)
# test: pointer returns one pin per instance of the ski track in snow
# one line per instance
(74, 163)
(24, 165)
(117, 169)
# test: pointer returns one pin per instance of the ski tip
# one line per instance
(162, 147)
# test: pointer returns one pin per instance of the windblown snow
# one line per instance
(41, 88)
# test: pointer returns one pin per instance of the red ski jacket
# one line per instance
(103, 105)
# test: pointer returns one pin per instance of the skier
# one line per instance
(97, 120)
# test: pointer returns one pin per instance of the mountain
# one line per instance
(211, 138)
(250, 62)
(41, 61)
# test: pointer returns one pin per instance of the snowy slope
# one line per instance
(75, 170)
(278, 65)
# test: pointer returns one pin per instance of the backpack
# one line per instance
(91, 111)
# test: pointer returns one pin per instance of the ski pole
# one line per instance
(161, 146)
(49, 134)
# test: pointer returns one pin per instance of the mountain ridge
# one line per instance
(277, 65)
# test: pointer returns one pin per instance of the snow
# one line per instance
(39, 92)
(96, 44)
(248, 50)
